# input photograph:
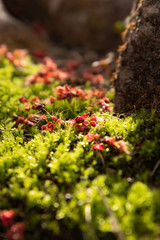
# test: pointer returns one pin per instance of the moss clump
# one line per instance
(67, 165)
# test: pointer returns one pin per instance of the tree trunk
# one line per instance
(137, 78)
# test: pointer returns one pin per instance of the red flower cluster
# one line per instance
(17, 57)
(83, 122)
(47, 72)
(120, 145)
(91, 137)
(6, 217)
(98, 146)
(34, 103)
(104, 102)
(66, 92)
(15, 231)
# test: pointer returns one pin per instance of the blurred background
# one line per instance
(63, 28)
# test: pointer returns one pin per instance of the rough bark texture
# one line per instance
(137, 79)
(85, 23)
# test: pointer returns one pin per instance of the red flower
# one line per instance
(49, 64)
(17, 57)
(93, 123)
(27, 106)
(6, 217)
(82, 128)
(93, 117)
(23, 100)
(71, 122)
(31, 117)
(103, 100)
(50, 126)
(52, 99)
(122, 146)
(43, 127)
(43, 117)
(98, 146)
(27, 122)
(65, 92)
(99, 79)
(109, 140)
(91, 137)
(54, 118)
(62, 92)
(38, 106)
(86, 123)
(80, 119)
(99, 94)
(60, 120)
(18, 119)
(16, 231)
(35, 99)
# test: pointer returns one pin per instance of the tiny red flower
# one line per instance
(98, 146)
(18, 119)
(86, 123)
(54, 118)
(23, 100)
(35, 99)
(27, 106)
(82, 128)
(60, 120)
(91, 137)
(109, 140)
(16, 231)
(80, 119)
(104, 99)
(17, 57)
(27, 122)
(122, 146)
(43, 127)
(38, 106)
(50, 126)
(93, 117)
(93, 123)
(52, 99)
(49, 64)
(43, 117)
(7, 216)
(31, 117)
(99, 79)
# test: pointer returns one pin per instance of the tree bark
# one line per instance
(137, 77)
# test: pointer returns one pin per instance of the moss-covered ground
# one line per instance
(69, 167)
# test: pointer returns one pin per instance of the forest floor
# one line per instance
(71, 168)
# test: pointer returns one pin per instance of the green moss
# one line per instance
(55, 180)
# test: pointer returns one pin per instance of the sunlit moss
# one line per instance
(56, 179)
